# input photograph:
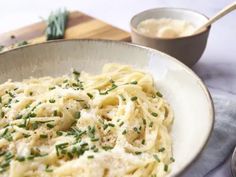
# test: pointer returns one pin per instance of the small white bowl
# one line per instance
(188, 49)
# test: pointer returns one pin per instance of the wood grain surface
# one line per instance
(79, 26)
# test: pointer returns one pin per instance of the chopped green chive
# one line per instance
(122, 123)
(134, 98)
(2, 114)
(172, 159)
(95, 139)
(52, 101)
(32, 115)
(103, 93)
(61, 147)
(52, 88)
(156, 158)
(2, 47)
(124, 132)
(106, 148)
(90, 157)
(90, 95)
(135, 129)
(122, 97)
(105, 126)
(161, 149)
(159, 94)
(30, 157)
(151, 124)
(95, 150)
(76, 73)
(154, 114)
(111, 125)
(165, 167)
(50, 126)
(35, 125)
(7, 135)
(84, 144)
(43, 136)
(59, 133)
(144, 122)
(22, 43)
(138, 153)
(55, 113)
(20, 159)
(77, 115)
(134, 82)
(48, 170)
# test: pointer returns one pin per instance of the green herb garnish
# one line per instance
(124, 132)
(90, 95)
(50, 126)
(90, 157)
(52, 101)
(2, 47)
(156, 158)
(134, 82)
(134, 98)
(154, 114)
(122, 97)
(172, 159)
(20, 158)
(77, 115)
(165, 167)
(138, 153)
(22, 43)
(159, 94)
(161, 149)
(43, 136)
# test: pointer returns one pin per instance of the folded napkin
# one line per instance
(223, 137)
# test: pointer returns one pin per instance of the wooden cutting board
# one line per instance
(79, 26)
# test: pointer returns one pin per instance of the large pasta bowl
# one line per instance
(187, 95)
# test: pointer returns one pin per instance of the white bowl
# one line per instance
(187, 49)
(187, 95)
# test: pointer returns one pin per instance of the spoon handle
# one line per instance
(220, 14)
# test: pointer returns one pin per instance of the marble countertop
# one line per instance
(217, 65)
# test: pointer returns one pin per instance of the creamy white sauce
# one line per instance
(165, 28)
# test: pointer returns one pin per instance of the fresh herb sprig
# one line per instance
(56, 24)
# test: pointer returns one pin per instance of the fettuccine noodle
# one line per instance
(115, 124)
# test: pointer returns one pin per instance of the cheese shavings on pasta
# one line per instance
(115, 124)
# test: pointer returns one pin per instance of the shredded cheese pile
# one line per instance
(115, 124)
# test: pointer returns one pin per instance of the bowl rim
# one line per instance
(134, 29)
(149, 50)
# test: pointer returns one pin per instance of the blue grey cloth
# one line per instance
(223, 138)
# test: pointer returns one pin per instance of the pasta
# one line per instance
(115, 124)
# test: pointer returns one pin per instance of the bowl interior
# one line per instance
(191, 103)
(194, 17)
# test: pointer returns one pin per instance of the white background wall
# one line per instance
(220, 53)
